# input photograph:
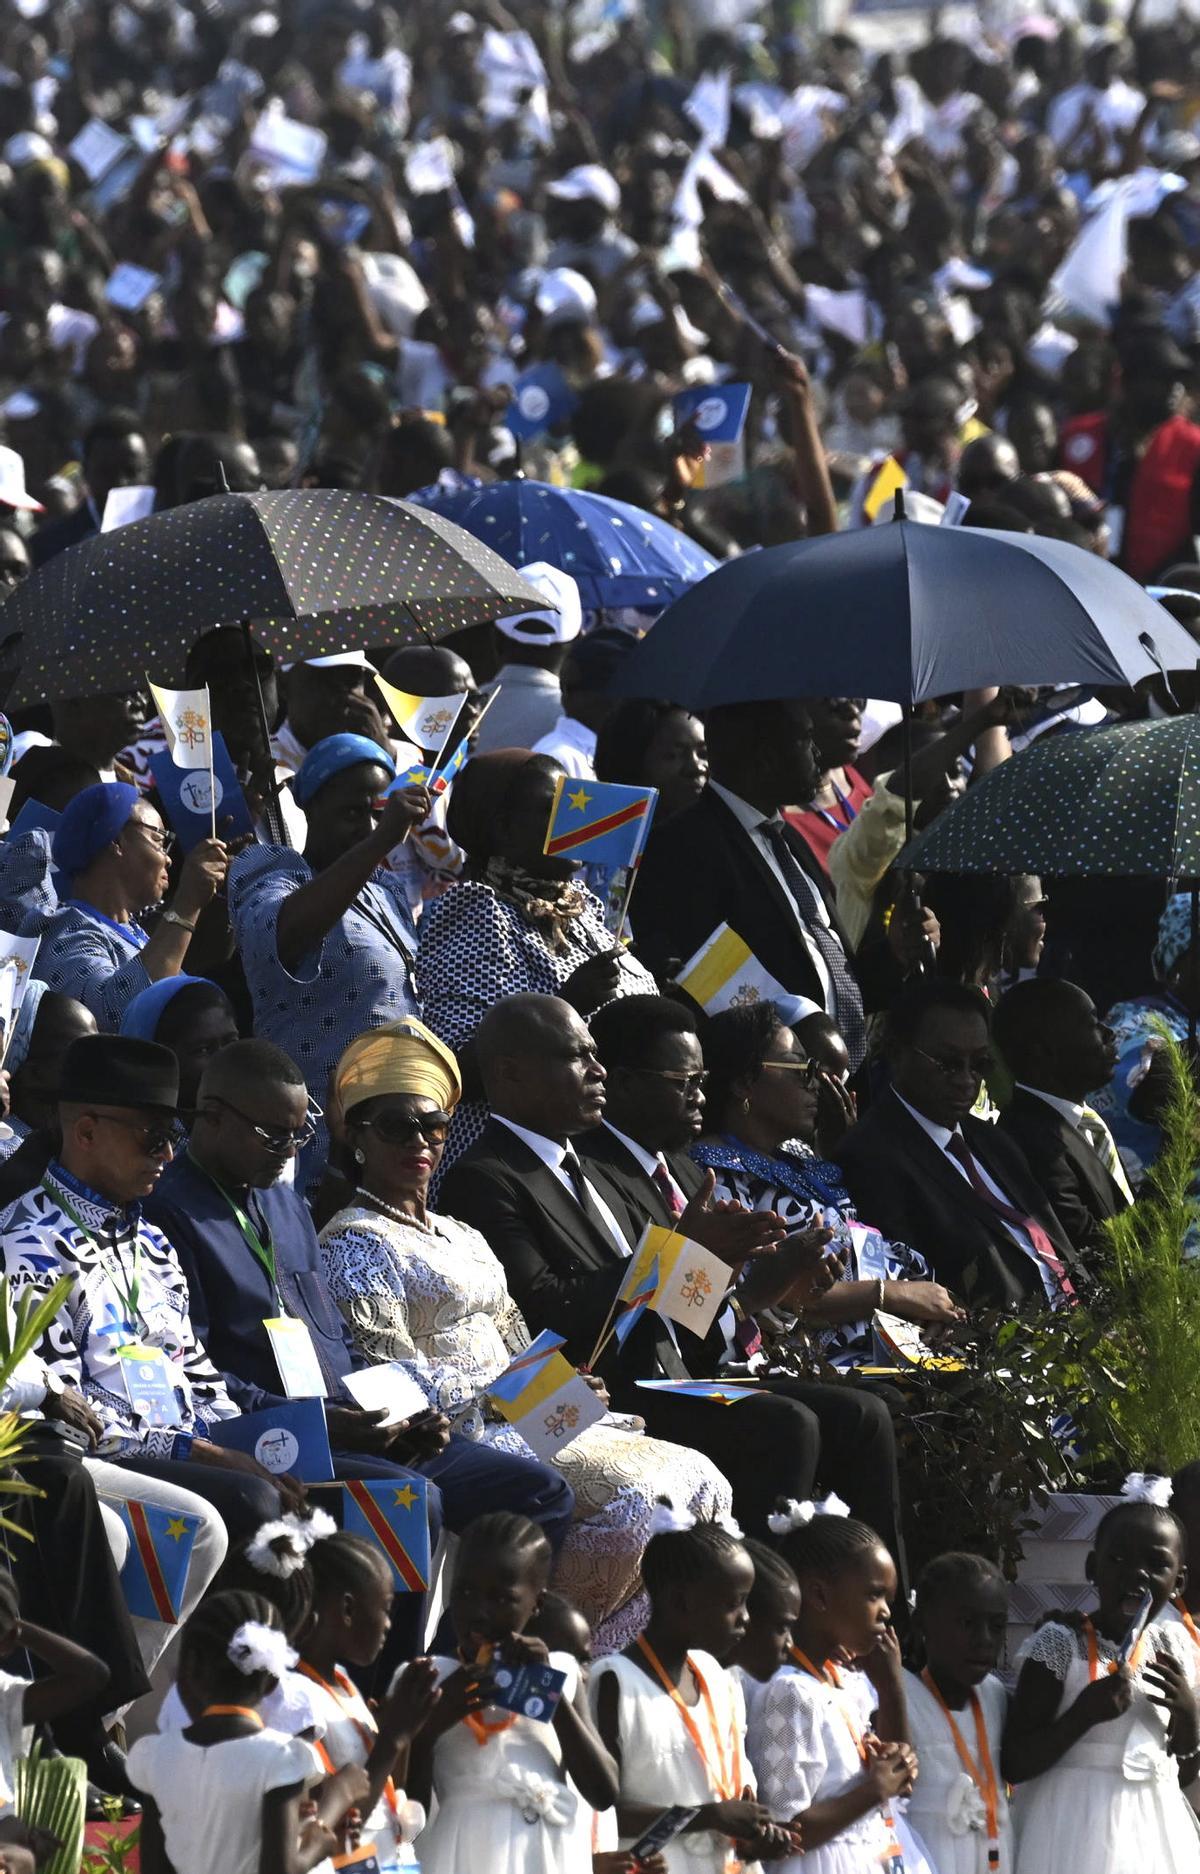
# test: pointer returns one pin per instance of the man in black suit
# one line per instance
(923, 1171)
(651, 1051)
(114, 456)
(1059, 1052)
(733, 859)
(563, 1235)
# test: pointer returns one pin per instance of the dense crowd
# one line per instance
(386, 1503)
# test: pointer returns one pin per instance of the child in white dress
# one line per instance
(513, 1792)
(956, 1711)
(830, 1745)
(772, 1610)
(673, 1717)
(223, 1795)
(76, 1677)
(350, 1620)
(1099, 1747)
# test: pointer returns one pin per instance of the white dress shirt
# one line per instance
(751, 819)
(552, 1154)
(941, 1136)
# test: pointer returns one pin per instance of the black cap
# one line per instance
(116, 1070)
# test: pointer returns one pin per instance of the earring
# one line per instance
(745, 1106)
(360, 1157)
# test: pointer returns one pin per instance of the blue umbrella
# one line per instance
(905, 612)
(618, 554)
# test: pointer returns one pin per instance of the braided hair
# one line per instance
(343, 1564)
(505, 1533)
(773, 1576)
(678, 1557)
(289, 1589)
(204, 1647)
(958, 1570)
(828, 1545)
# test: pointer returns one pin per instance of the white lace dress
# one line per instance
(946, 1808)
(434, 1297)
(802, 1745)
(1112, 1804)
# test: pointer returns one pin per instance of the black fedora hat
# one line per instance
(116, 1070)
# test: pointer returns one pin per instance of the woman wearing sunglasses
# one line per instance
(427, 1291)
(760, 1114)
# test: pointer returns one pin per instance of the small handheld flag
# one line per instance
(197, 802)
(393, 1513)
(425, 720)
(160, 1548)
(720, 1392)
(187, 724)
(542, 1396)
(889, 479)
(725, 974)
(691, 1282)
(598, 821)
(437, 780)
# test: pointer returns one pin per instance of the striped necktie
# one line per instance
(1098, 1136)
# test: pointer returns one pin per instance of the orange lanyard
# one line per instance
(1186, 1618)
(481, 1728)
(344, 1695)
(725, 1777)
(234, 1711)
(1094, 1654)
(828, 1675)
(982, 1774)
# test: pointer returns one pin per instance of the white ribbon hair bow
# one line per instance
(666, 1520)
(1145, 1487)
(311, 1529)
(256, 1647)
(282, 1561)
(795, 1515)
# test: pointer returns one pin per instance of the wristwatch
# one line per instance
(173, 917)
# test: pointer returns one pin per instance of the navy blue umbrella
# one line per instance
(904, 612)
(619, 555)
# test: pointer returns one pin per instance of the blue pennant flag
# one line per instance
(717, 412)
(542, 400)
(289, 1439)
(393, 1513)
(436, 781)
(160, 1548)
(185, 796)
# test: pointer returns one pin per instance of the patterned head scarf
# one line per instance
(401, 1057)
(1174, 934)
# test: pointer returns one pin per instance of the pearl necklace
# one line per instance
(390, 1210)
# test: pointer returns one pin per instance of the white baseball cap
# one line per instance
(359, 658)
(588, 182)
(12, 484)
(563, 295)
(558, 626)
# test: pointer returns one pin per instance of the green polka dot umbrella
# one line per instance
(317, 570)
(1122, 801)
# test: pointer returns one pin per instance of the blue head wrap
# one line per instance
(143, 1014)
(22, 1034)
(1174, 934)
(91, 822)
(333, 756)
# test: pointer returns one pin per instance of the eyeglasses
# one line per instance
(154, 1138)
(276, 1138)
(157, 837)
(691, 1083)
(973, 1065)
(810, 1069)
(400, 1128)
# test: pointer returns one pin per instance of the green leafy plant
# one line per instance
(116, 1843)
(22, 1325)
(51, 1794)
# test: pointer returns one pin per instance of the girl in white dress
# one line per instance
(673, 1717)
(351, 1616)
(75, 1677)
(772, 1610)
(956, 1711)
(1099, 1748)
(830, 1745)
(514, 1792)
(223, 1795)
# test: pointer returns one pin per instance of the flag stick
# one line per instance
(11, 1024)
(441, 754)
(212, 779)
(609, 1328)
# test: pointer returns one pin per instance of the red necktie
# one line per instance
(960, 1153)
(666, 1185)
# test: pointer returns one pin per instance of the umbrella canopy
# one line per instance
(617, 554)
(904, 612)
(318, 570)
(1123, 801)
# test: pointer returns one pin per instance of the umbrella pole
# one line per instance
(272, 811)
(908, 757)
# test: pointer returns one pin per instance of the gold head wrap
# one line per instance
(402, 1057)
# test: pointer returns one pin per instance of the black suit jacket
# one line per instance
(563, 1270)
(904, 1185)
(1084, 1194)
(55, 536)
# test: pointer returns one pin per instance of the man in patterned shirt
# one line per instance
(123, 1337)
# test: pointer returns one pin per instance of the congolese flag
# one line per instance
(160, 1548)
(392, 1513)
(599, 822)
(437, 783)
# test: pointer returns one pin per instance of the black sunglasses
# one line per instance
(401, 1128)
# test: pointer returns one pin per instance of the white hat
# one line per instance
(588, 182)
(564, 295)
(12, 484)
(27, 147)
(559, 626)
(335, 657)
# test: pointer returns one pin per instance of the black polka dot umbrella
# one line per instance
(1123, 801)
(317, 570)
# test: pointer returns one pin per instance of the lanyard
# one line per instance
(130, 933)
(828, 1675)
(264, 1252)
(1186, 1618)
(830, 818)
(724, 1776)
(233, 1711)
(130, 1294)
(1094, 1654)
(345, 1695)
(982, 1774)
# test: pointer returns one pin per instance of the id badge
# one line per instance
(149, 1385)
(891, 1861)
(296, 1357)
